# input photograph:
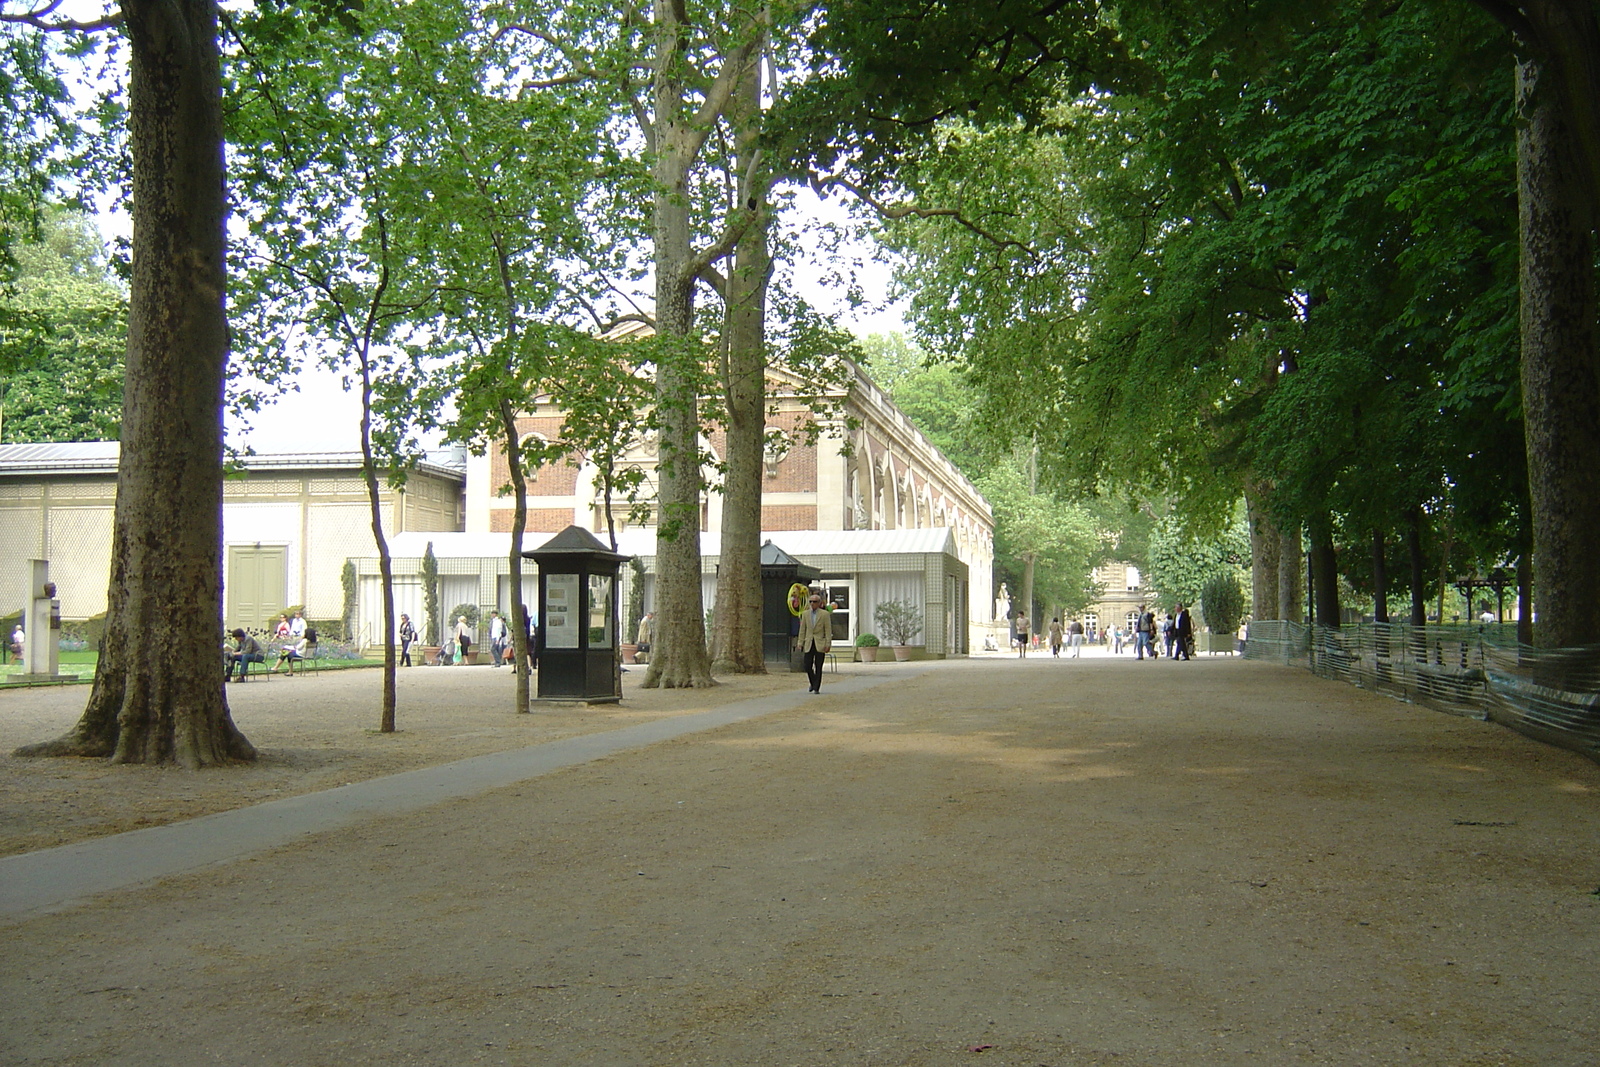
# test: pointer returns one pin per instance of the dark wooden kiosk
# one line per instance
(577, 643)
(779, 624)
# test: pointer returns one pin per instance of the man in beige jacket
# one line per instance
(816, 638)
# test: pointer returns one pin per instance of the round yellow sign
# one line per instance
(798, 595)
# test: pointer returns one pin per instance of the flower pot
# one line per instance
(902, 653)
(867, 653)
(430, 655)
(629, 653)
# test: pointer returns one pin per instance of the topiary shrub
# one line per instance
(867, 641)
(1222, 601)
(469, 610)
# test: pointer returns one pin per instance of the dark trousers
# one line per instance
(405, 653)
(814, 657)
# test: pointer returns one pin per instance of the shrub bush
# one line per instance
(1222, 601)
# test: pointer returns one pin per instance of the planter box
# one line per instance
(867, 653)
(629, 652)
(902, 653)
(1214, 643)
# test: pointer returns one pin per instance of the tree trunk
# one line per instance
(1380, 578)
(678, 657)
(158, 692)
(739, 599)
(1026, 606)
(1560, 387)
(1265, 543)
(369, 472)
(519, 526)
(1325, 568)
(1419, 573)
(1290, 561)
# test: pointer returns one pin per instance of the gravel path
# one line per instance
(1094, 862)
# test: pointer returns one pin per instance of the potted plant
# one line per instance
(1223, 603)
(900, 621)
(430, 607)
(867, 648)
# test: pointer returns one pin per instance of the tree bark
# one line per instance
(158, 693)
(1380, 578)
(1325, 568)
(678, 657)
(519, 526)
(1560, 386)
(739, 598)
(369, 472)
(1265, 543)
(1419, 573)
(1290, 580)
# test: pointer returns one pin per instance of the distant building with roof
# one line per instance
(867, 499)
(289, 522)
(866, 470)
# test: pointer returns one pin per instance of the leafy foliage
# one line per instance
(64, 348)
(900, 620)
(1222, 602)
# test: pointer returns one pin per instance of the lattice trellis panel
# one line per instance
(337, 532)
(80, 561)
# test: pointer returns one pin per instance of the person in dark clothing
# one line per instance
(1183, 633)
(246, 650)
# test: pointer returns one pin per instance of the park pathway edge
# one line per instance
(53, 879)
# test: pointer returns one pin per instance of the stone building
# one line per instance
(866, 468)
(289, 523)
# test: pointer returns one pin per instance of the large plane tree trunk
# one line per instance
(158, 693)
(739, 598)
(1265, 543)
(1560, 386)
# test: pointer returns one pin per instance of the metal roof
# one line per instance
(100, 457)
(642, 542)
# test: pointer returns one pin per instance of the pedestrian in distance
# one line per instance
(497, 638)
(1075, 637)
(815, 640)
(408, 635)
(1024, 627)
(1055, 637)
(1183, 632)
(1143, 629)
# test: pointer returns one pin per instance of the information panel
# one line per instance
(561, 619)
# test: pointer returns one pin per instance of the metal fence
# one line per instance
(1552, 694)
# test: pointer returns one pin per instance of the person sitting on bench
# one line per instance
(246, 650)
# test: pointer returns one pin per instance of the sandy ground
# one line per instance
(1041, 863)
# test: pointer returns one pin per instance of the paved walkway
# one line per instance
(57, 877)
(1062, 863)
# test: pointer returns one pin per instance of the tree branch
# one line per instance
(40, 19)
(901, 211)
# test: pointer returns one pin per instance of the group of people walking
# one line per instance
(1173, 634)
(458, 649)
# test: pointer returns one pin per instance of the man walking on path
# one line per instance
(1183, 631)
(497, 639)
(1143, 629)
(1075, 637)
(1024, 625)
(816, 638)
